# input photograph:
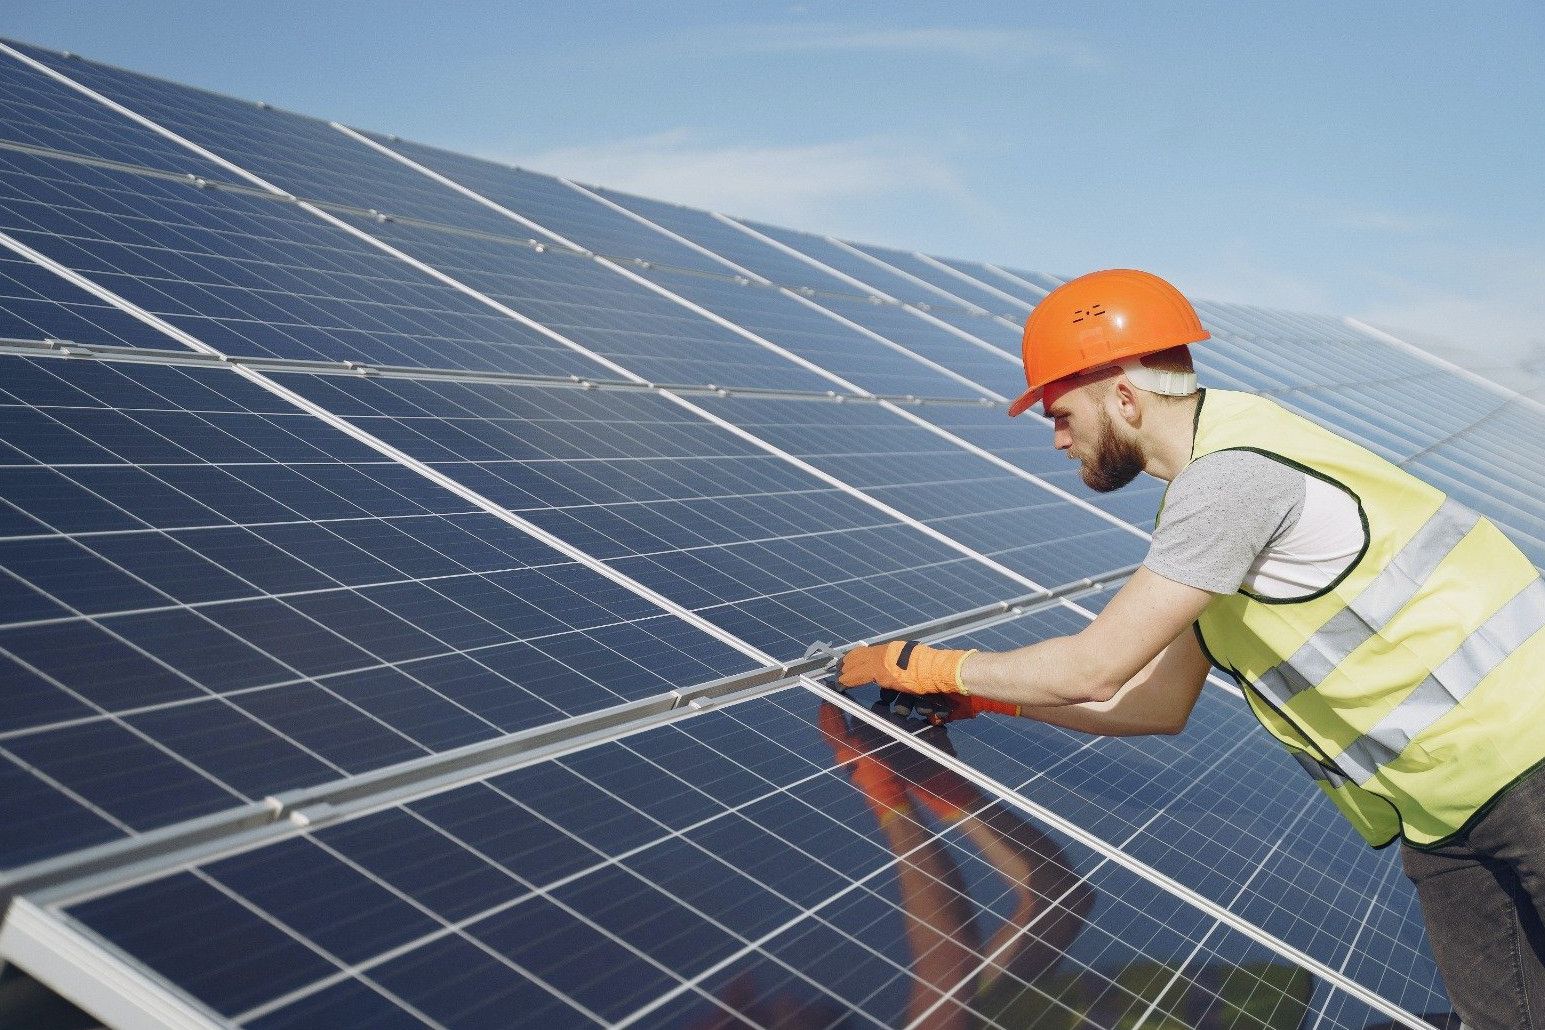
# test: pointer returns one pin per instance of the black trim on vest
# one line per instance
(1362, 516)
(1477, 815)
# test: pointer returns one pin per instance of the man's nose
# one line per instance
(1061, 439)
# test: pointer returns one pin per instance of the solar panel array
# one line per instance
(408, 561)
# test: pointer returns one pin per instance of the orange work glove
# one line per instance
(904, 665)
(970, 706)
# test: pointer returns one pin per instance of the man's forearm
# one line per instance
(1053, 673)
(1158, 699)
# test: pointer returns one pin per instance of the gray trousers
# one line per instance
(1483, 898)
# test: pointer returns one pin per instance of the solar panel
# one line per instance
(384, 647)
(506, 896)
(231, 598)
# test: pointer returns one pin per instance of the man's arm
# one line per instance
(1121, 647)
(1135, 669)
(1158, 699)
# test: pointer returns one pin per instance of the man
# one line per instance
(1391, 639)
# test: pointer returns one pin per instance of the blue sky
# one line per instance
(1379, 160)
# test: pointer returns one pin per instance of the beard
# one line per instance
(1115, 463)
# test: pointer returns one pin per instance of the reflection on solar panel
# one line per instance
(408, 563)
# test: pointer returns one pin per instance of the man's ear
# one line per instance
(1123, 396)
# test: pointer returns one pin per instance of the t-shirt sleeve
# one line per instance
(1219, 515)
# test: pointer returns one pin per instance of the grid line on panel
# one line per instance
(804, 298)
(909, 308)
(440, 479)
(548, 890)
(895, 409)
(1154, 876)
(1202, 944)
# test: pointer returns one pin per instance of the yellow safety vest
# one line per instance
(1412, 689)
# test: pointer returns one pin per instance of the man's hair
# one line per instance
(1175, 359)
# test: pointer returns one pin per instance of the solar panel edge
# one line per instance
(95, 975)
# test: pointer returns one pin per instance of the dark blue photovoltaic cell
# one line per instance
(740, 536)
(1016, 522)
(853, 874)
(211, 597)
(569, 293)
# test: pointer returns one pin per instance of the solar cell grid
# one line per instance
(983, 364)
(217, 590)
(962, 287)
(742, 536)
(993, 511)
(803, 890)
(41, 112)
(1027, 443)
(566, 292)
(256, 277)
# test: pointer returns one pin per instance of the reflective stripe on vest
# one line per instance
(1372, 609)
(1438, 694)
(1316, 770)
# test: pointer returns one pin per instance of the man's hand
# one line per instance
(904, 665)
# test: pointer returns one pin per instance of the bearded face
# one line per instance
(1115, 461)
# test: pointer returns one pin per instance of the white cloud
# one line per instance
(803, 185)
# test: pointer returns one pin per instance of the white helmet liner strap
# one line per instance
(1168, 384)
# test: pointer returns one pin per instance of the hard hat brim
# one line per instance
(1025, 400)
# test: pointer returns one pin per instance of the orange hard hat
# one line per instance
(1101, 319)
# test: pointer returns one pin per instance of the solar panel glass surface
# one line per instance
(827, 869)
(742, 536)
(230, 598)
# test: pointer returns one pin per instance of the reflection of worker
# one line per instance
(900, 785)
(1389, 637)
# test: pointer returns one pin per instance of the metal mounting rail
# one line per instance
(57, 348)
(238, 829)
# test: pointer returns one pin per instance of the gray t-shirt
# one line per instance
(1221, 512)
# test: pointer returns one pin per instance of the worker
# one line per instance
(1389, 637)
